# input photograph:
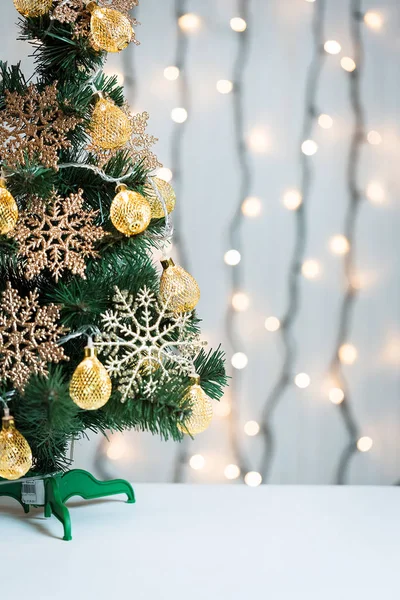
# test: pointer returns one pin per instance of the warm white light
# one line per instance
(251, 207)
(179, 115)
(348, 64)
(309, 147)
(375, 192)
(336, 395)
(224, 86)
(365, 443)
(332, 47)
(310, 1)
(292, 199)
(240, 301)
(325, 121)
(258, 141)
(197, 462)
(222, 409)
(363, 279)
(272, 324)
(117, 448)
(232, 257)
(164, 173)
(171, 73)
(232, 471)
(120, 78)
(251, 428)
(311, 269)
(302, 380)
(239, 360)
(374, 138)
(339, 244)
(189, 22)
(238, 24)
(252, 479)
(348, 354)
(373, 19)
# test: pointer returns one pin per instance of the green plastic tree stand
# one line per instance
(60, 488)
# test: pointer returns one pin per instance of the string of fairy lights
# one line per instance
(295, 200)
(234, 256)
(345, 353)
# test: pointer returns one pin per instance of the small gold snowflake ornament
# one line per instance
(58, 236)
(28, 337)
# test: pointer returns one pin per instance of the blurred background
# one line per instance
(278, 123)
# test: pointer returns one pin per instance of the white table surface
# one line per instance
(209, 542)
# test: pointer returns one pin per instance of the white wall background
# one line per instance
(310, 433)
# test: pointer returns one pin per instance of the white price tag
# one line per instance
(33, 492)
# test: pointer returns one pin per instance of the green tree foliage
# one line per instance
(44, 412)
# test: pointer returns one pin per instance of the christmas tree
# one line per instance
(94, 335)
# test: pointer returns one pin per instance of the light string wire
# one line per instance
(285, 378)
(236, 273)
(181, 53)
(355, 199)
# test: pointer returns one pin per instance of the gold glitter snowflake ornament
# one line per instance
(58, 236)
(145, 344)
(28, 337)
(33, 126)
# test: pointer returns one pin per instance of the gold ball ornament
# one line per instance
(15, 453)
(167, 192)
(202, 410)
(110, 30)
(33, 8)
(130, 212)
(178, 290)
(110, 126)
(90, 387)
(8, 210)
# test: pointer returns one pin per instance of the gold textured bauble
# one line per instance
(178, 289)
(8, 210)
(167, 192)
(110, 126)
(15, 453)
(202, 410)
(110, 30)
(130, 212)
(33, 8)
(90, 387)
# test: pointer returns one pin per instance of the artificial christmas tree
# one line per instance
(89, 337)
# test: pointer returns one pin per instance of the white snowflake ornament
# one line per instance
(145, 343)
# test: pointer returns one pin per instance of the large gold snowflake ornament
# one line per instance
(145, 344)
(28, 337)
(57, 236)
(33, 126)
